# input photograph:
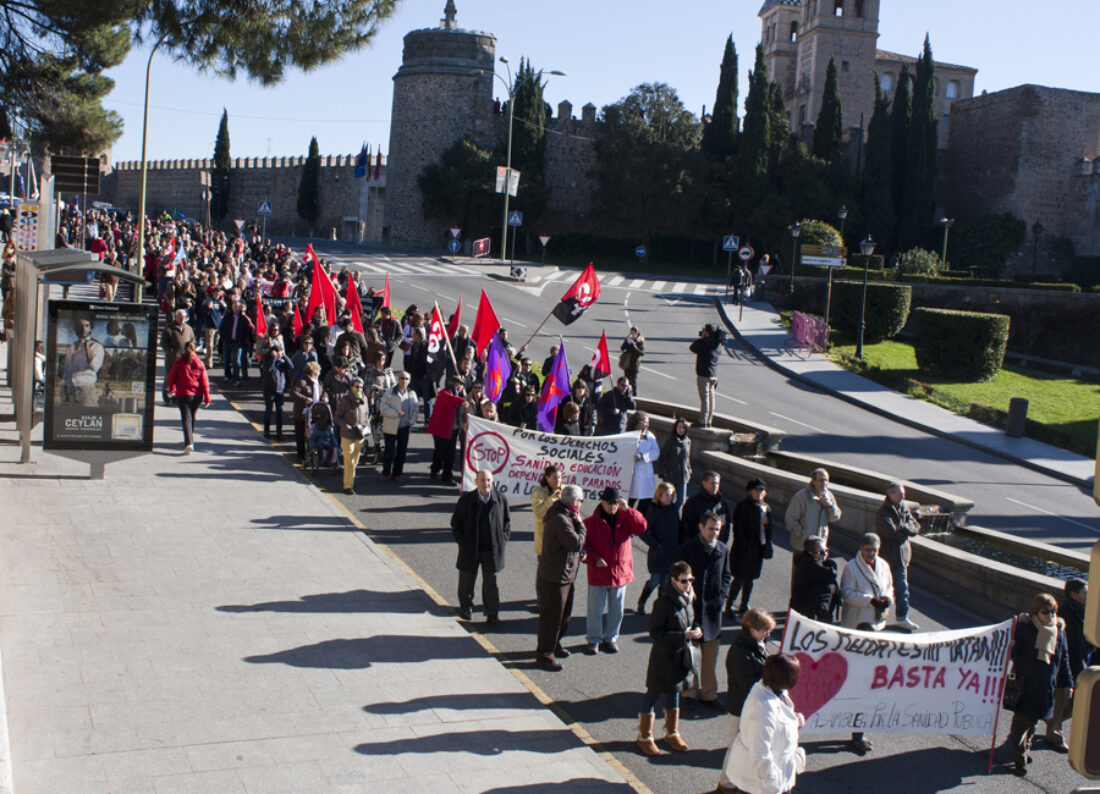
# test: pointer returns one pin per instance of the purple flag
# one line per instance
(497, 370)
(554, 390)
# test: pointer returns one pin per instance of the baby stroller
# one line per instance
(324, 448)
(373, 440)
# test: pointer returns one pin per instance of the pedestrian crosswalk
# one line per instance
(406, 267)
(641, 284)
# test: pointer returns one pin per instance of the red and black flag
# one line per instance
(584, 292)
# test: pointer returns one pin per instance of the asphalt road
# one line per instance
(602, 693)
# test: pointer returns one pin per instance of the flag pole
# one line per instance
(536, 333)
(446, 339)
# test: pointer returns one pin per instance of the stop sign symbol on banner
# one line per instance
(745, 254)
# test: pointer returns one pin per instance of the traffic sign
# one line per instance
(481, 247)
(765, 269)
(730, 242)
(453, 246)
(239, 222)
(823, 255)
(515, 218)
(745, 253)
(263, 208)
(544, 239)
(640, 251)
(455, 231)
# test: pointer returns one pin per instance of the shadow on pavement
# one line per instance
(412, 602)
(576, 784)
(937, 769)
(355, 654)
(322, 523)
(488, 742)
(456, 702)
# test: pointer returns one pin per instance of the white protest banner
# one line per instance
(880, 682)
(517, 458)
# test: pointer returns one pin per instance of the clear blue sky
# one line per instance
(606, 47)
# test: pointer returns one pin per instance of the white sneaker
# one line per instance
(909, 624)
(188, 449)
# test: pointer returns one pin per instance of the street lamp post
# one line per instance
(144, 170)
(795, 229)
(867, 247)
(508, 157)
(1036, 230)
(947, 223)
(842, 213)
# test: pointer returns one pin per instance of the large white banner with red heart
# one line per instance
(882, 682)
(517, 458)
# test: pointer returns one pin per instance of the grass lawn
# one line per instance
(1062, 403)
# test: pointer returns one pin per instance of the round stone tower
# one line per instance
(441, 94)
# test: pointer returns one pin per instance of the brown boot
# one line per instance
(645, 734)
(672, 730)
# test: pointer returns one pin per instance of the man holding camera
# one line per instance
(705, 349)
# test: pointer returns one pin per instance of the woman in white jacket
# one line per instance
(643, 483)
(766, 758)
(867, 587)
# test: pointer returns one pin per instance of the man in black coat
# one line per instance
(709, 561)
(1072, 610)
(562, 542)
(706, 353)
(612, 408)
(709, 499)
(481, 526)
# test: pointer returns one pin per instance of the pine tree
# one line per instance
(720, 135)
(876, 188)
(219, 189)
(921, 155)
(529, 141)
(901, 110)
(829, 132)
(309, 200)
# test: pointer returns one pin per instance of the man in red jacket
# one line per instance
(610, 561)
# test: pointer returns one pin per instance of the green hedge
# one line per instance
(887, 308)
(984, 282)
(968, 346)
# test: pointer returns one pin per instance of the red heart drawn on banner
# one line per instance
(820, 680)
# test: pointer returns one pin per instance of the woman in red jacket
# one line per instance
(187, 381)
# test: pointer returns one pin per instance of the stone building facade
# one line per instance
(801, 36)
(1033, 151)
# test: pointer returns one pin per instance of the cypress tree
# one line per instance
(752, 156)
(219, 190)
(829, 131)
(779, 126)
(309, 200)
(921, 155)
(529, 140)
(876, 193)
(900, 116)
(720, 135)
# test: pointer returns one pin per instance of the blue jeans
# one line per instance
(650, 698)
(901, 591)
(232, 356)
(603, 627)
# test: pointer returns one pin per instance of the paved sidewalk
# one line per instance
(214, 623)
(761, 330)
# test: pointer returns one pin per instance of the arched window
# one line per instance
(887, 82)
(952, 89)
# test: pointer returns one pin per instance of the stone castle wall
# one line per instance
(175, 185)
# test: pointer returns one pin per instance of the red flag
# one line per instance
(297, 322)
(452, 326)
(485, 325)
(435, 334)
(322, 293)
(378, 165)
(354, 305)
(310, 256)
(386, 292)
(261, 321)
(584, 292)
(600, 365)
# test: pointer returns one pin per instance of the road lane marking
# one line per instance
(658, 286)
(636, 283)
(514, 322)
(781, 416)
(700, 289)
(1063, 518)
(662, 374)
(615, 281)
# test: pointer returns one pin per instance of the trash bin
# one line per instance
(1017, 417)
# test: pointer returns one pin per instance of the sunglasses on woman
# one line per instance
(689, 580)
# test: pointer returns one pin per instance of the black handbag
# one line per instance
(1014, 691)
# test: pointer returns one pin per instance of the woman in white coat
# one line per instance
(765, 757)
(644, 482)
(866, 586)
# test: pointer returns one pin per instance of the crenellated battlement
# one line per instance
(240, 163)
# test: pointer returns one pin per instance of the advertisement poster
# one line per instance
(881, 682)
(517, 458)
(27, 220)
(100, 370)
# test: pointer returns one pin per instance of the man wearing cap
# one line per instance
(481, 525)
(751, 545)
(610, 560)
(353, 417)
(709, 561)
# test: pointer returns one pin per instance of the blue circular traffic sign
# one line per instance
(454, 246)
(640, 251)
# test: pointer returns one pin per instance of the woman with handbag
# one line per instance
(671, 659)
(1040, 662)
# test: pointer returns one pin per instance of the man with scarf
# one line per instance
(562, 540)
(810, 511)
(352, 415)
(867, 588)
(709, 560)
(895, 524)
